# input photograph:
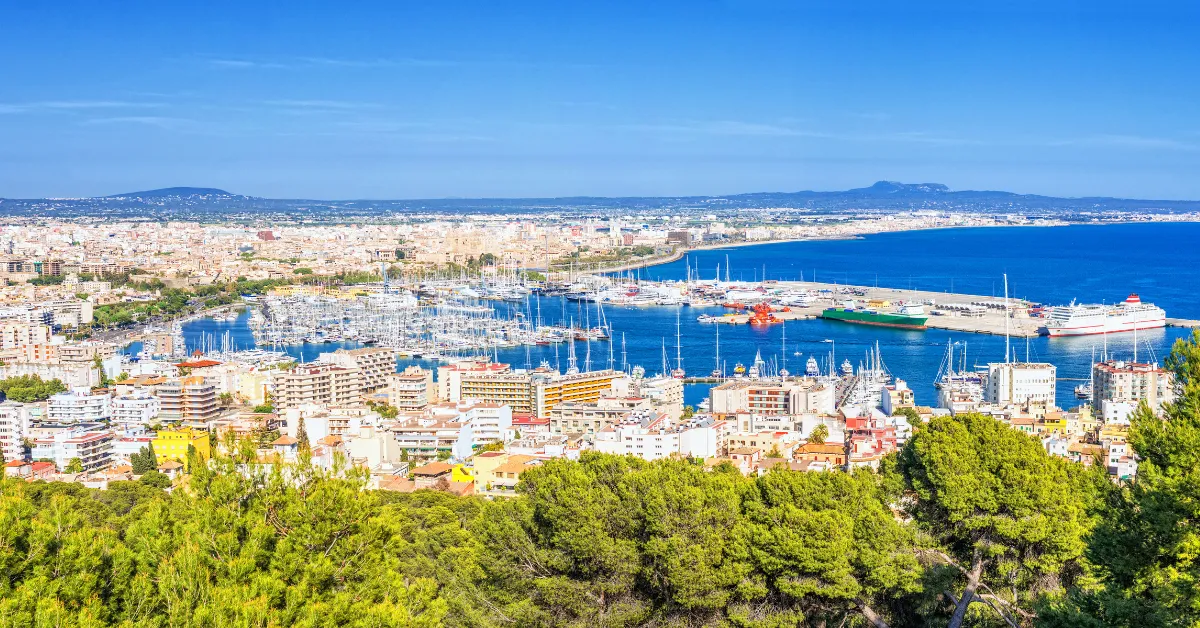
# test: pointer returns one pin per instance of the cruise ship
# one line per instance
(1083, 320)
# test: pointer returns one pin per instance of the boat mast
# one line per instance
(624, 362)
(678, 345)
(783, 346)
(664, 357)
(718, 365)
(1006, 338)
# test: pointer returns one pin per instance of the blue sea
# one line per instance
(1051, 265)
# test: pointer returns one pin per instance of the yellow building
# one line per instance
(173, 444)
(297, 290)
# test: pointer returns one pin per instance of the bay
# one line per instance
(1051, 265)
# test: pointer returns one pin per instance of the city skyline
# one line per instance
(471, 100)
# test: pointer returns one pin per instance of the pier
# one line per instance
(947, 311)
(1183, 322)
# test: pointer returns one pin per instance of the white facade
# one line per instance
(14, 426)
(134, 410)
(489, 423)
(78, 406)
(93, 449)
(1020, 383)
(654, 437)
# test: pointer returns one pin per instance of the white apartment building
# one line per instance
(654, 436)
(14, 426)
(489, 422)
(374, 364)
(131, 410)
(16, 335)
(1020, 384)
(322, 384)
(93, 449)
(411, 390)
(79, 406)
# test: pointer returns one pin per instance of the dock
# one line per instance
(1183, 322)
(942, 315)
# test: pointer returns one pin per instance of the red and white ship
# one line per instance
(1084, 320)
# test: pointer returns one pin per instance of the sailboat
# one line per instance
(756, 368)
(1084, 391)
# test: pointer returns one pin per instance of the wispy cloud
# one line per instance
(74, 105)
(161, 122)
(343, 105)
(725, 127)
(300, 63)
(1139, 142)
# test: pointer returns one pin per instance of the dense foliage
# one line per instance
(30, 388)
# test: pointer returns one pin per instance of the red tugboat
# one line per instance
(762, 315)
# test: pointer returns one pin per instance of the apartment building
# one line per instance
(79, 406)
(135, 410)
(773, 398)
(17, 335)
(591, 418)
(551, 389)
(652, 436)
(514, 389)
(1118, 387)
(1020, 384)
(665, 393)
(411, 390)
(424, 437)
(190, 400)
(321, 384)
(534, 392)
(14, 427)
(375, 365)
(93, 449)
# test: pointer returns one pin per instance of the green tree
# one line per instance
(302, 437)
(144, 461)
(1144, 544)
(225, 398)
(30, 388)
(914, 418)
(819, 434)
(302, 271)
(263, 408)
(688, 412)
(823, 548)
(156, 479)
(75, 465)
(1010, 520)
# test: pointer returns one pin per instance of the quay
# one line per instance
(947, 311)
(1183, 322)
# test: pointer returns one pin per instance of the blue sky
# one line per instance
(434, 99)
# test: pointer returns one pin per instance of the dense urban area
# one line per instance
(154, 476)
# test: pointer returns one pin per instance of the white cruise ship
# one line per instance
(1083, 320)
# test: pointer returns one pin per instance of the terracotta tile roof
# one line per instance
(433, 469)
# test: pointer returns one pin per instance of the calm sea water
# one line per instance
(1051, 265)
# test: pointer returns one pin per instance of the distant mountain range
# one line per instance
(183, 203)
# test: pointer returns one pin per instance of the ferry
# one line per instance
(907, 317)
(1084, 320)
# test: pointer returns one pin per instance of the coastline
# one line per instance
(680, 253)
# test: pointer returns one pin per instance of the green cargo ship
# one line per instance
(871, 317)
